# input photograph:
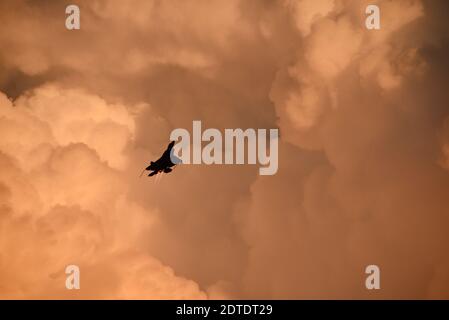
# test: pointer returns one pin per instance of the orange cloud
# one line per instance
(363, 153)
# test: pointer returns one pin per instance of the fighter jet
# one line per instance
(164, 163)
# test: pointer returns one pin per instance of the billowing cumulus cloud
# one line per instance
(363, 153)
(63, 202)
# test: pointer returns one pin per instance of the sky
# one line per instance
(363, 173)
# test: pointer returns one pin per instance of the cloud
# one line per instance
(376, 194)
(363, 154)
(65, 203)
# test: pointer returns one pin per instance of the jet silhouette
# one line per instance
(164, 163)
